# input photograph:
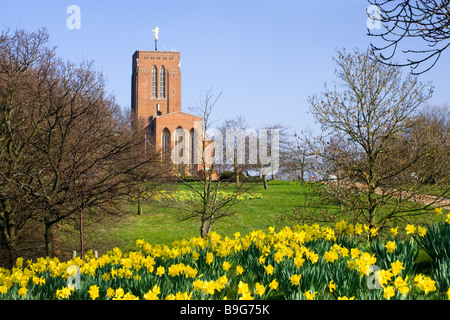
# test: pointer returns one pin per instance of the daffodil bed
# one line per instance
(300, 262)
(183, 196)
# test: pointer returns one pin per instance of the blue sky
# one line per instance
(265, 56)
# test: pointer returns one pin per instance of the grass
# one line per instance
(160, 225)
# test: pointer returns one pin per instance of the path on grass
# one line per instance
(425, 199)
(434, 201)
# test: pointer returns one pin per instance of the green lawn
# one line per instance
(160, 225)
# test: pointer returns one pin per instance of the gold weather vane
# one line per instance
(156, 31)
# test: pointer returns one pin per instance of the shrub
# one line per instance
(230, 176)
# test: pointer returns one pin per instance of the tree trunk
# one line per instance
(264, 177)
(8, 229)
(81, 235)
(139, 205)
(205, 228)
(48, 236)
(11, 253)
(140, 199)
(302, 172)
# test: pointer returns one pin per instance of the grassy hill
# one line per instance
(160, 225)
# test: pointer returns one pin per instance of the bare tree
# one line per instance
(65, 145)
(425, 20)
(236, 135)
(272, 143)
(432, 127)
(297, 160)
(19, 124)
(210, 205)
(365, 121)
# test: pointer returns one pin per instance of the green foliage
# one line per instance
(406, 252)
(440, 270)
(230, 176)
(436, 242)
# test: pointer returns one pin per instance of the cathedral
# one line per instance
(156, 98)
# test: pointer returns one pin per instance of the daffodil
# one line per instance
(313, 257)
(388, 292)
(298, 260)
(295, 279)
(94, 292)
(3, 289)
(355, 252)
(243, 288)
(269, 269)
(346, 298)
(195, 255)
(22, 291)
(64, 292)
(394, 231)
(209, 257)
(209, 287)
(226, 266)
(246, 296)
(198, 284)
(119, 293)
(110, 293)
(424, 283)
(309, 296)
(160, 271)
(259, 289)
(153, 293)
(239, 270)
(373, 231)
(397, 267)
(358, 229)
(421, 231)
(330, 256)
(128, 296)
(402, 285)
(410, 229)
(221, 283)
(331, 286)
(391, 246)
(384, 276)
(274, 285)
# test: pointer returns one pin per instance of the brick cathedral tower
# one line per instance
(156, 98)
(156, 83)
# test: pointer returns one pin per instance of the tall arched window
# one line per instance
(165, 144)
(179, 141)
(154, 82)
(179, 151)
(192, 152)
(162, 82)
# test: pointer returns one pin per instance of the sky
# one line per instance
(265, 57)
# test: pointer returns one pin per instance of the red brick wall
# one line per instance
(142, 103)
